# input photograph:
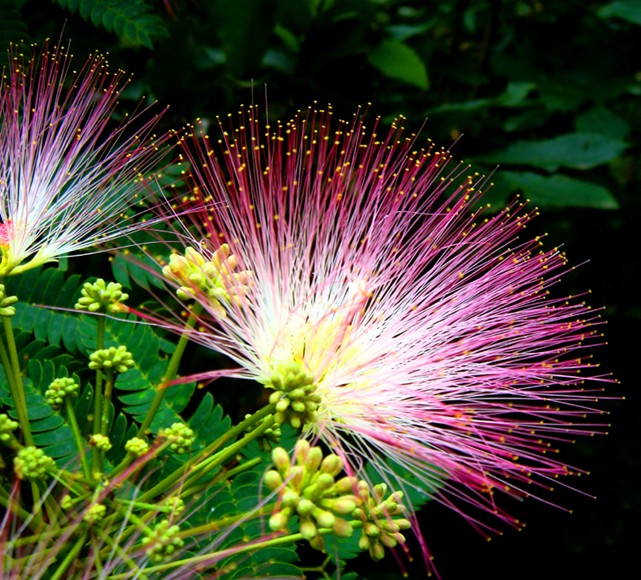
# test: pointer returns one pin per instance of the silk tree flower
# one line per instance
(67, 171)
(384, 314)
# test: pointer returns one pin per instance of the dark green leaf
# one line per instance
(398, 61)
(629, 10)
(559, 190)
(575, 150)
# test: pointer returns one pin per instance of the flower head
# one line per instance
(67, 172)
(389, 317)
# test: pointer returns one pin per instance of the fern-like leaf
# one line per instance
(131, 20)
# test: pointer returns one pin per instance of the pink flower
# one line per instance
(67, 172)
(386, 315)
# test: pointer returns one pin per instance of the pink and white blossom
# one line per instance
(67, 170)
(430, 328)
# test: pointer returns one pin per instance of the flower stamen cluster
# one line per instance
(308, 488)
(217, 277)
(99, 296)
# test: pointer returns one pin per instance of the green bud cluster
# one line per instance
(32, 463)
(181, 437)
(118, 359)
(381, 522)
(270, 435)
(59, 389)
(102, 297)
(162, 542)
(218, 277)
(308, 488)
(7, 307)
(94, 513)
(137, 446)
(295, 394)
(175, 504)
(7, 426)
(100, 442)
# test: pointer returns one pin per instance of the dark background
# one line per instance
(550, 91)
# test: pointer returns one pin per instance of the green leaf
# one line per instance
(244, 28)
(602, 121)
(398, 61)
(49, 428)
(559, 190)
(629, 10)
(132, 20)
(574, 150)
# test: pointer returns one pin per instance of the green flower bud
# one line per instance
(342, 528)
(332, 464)
(7, 426)
(6, 303)
(307, 529)
(305, 507)
(278, 521)
(273, 480)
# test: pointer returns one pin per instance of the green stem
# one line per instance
(9, 357)
(133, 565)
(228, 521)
(96, 454)
(225, 454)
(233, 551)
(170, 373)
(106, 401)
(71, 414)
(70, 557)
(10, 503)
(192, 463)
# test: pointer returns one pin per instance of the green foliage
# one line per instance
(131, 20)
(12, 26)
(50, 428)
(555, 190)
(629, 10)
(575, 151)
(242, 495)
(398, 61)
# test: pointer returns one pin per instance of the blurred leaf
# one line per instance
(629, 10)
(244, 28)
(559, 190)
(574, 150)
(398, 61)
(12, 26)
(601, 120)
